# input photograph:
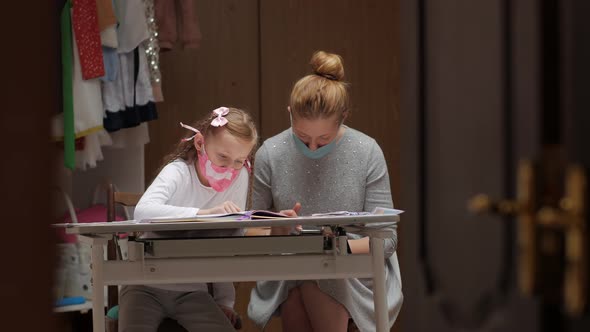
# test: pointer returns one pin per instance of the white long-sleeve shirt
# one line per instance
(177, 193)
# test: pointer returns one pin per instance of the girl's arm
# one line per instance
(224, 293)
(154, 202)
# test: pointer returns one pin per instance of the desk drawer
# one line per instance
(236, 246)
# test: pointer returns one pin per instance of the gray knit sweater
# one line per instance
(353, 177)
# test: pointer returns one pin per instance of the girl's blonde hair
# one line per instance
(239, 124)
(323, 93)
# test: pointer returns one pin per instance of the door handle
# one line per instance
(570, 217)
(523, 208)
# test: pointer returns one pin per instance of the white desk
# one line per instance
(142, 269)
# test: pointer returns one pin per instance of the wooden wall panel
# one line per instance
(364, 33)
(223, 71)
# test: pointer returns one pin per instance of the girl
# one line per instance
(327, 166)
(207, 173)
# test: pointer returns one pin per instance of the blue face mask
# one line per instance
(313, 154)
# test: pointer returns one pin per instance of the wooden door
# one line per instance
(31, 95)
(486, 84)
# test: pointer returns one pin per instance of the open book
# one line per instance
(237, 216)
(264, 214)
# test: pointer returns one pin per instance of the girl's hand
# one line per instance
(225, 207)
(286, 230)
(230, 314)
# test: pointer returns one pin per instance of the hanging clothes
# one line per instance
(132, 29)
(82, 99)
(166, 12)
(88, 110)
(107, 25)
(152, 49)
(92, 152)
(67, 63)
(87, 36)
(129, 100)
(106, 14)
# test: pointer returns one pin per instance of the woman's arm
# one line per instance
(377, 194)
(377, 188)
(261, 192)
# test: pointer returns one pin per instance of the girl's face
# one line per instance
(226, 150)
(317, 132)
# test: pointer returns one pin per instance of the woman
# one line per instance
(326, 166)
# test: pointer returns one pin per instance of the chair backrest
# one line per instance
(126, 199)
(115, 198)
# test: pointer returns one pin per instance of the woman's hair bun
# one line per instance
(328, 65)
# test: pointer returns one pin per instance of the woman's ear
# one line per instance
(344, 116)
(289, 109)
(199, 141)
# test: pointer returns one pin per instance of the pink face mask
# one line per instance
(220, 178)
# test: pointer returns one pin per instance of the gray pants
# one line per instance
(142, 309)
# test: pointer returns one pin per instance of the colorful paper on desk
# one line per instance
(376, 211)
(388, 211)
(341, 213)
(237, 216)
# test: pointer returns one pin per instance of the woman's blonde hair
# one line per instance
(239, 124)
(323, 93)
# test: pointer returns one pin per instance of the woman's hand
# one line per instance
(225, 207)
(294, 211)
(286, 230)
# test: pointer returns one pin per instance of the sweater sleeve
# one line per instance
(262, 193)
(377, 189)
(378, 192)
(154, 202)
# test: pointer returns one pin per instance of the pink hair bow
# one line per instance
(220, 121)
(189, 128)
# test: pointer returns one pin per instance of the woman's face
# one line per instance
(317, 132)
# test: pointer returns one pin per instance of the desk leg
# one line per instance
(379, 294)
(97, 288)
